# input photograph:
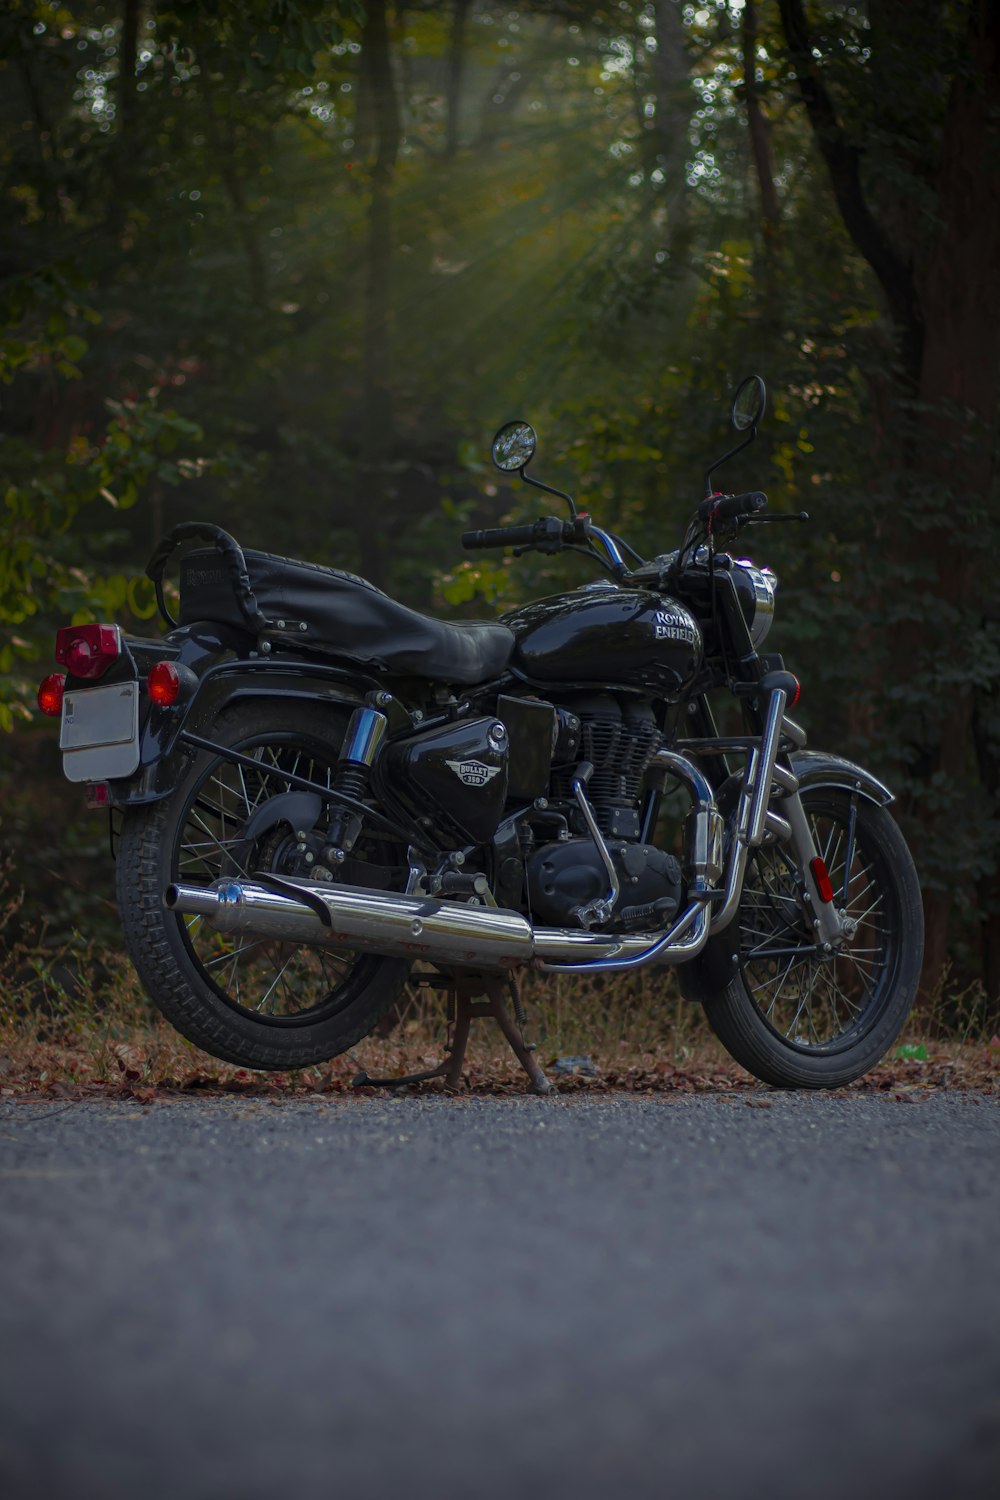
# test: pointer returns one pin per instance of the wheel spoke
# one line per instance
(274, 982)
(809, 997)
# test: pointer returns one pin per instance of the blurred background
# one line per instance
(286, 267)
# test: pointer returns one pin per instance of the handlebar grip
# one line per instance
(500, 536)
(725, 507)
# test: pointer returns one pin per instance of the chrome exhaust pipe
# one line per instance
(351, 917)
(419, 927)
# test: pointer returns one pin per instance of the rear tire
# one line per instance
(790, 1015)
(321, 1002)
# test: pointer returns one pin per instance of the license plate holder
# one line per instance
(99, 733)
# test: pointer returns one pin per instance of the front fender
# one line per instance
(816, 768)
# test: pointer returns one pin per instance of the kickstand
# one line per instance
(467, 999)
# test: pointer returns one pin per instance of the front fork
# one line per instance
(756, 821)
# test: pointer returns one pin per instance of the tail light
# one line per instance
(50, 694)
(164, 683)
(88, 650)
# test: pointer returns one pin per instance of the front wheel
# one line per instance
(792, 1015)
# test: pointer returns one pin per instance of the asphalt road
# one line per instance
(639, 1297)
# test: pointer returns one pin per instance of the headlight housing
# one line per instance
(756, 588)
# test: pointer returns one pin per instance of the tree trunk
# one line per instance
(226, 153)
(760, 137)
(376, 436)
(669, 145)
(126, 145)
(456, 63)
(959, 291)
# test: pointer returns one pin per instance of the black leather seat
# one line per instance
(345, 616)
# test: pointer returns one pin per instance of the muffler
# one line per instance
(345, 916)
(418, 927)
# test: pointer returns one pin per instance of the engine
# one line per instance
(619, 742)
(566, 873)
(566, 876)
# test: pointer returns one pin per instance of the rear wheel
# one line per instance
(259, 1002)
(793, 1015)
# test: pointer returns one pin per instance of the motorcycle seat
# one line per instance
(344, 616)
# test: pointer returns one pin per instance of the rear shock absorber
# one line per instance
(359, 752)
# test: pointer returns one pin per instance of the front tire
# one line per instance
(790, 1014)
(258, 1003)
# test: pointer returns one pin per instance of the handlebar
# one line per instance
(499, 536)
(548, 534)
(726, 507)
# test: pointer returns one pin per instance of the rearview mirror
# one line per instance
(748, 403)
(513, 447)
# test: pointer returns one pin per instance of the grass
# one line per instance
(75, 1023)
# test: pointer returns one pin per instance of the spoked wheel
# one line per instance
(797, 1016)
(260, 1002)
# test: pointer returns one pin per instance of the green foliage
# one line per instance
(573, 235)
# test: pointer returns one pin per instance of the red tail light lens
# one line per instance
(164, 683)
(88, 650)
(50, 695)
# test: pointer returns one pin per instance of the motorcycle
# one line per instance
(317, 789)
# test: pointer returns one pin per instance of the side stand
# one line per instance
(468, 998)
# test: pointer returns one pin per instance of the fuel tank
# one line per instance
(602, 633)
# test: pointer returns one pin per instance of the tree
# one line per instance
(910, 194)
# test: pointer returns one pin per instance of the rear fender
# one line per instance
(163, 755)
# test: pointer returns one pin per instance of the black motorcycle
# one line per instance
(316, 788)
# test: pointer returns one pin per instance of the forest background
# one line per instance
(287, 266)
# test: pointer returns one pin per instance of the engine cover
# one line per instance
(457, 774)
(565, 876)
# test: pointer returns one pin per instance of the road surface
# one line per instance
(482, 1298)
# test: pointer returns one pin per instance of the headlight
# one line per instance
(756, 588)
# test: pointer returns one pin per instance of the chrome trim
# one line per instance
(786, 780)
(600, 909)
(794, 732)
(777, 826)
(608, 548)
(742, 829)
(414, 926)
(685, 770)
(722, 917)
(673, 946)
(703, 827)
(417, 927)
(363, 740)
(763, 764)
(765, 584)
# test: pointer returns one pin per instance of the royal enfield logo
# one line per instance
(473, 772)
(670, 627)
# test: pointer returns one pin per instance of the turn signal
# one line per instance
(50, 695)
(164, 683)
